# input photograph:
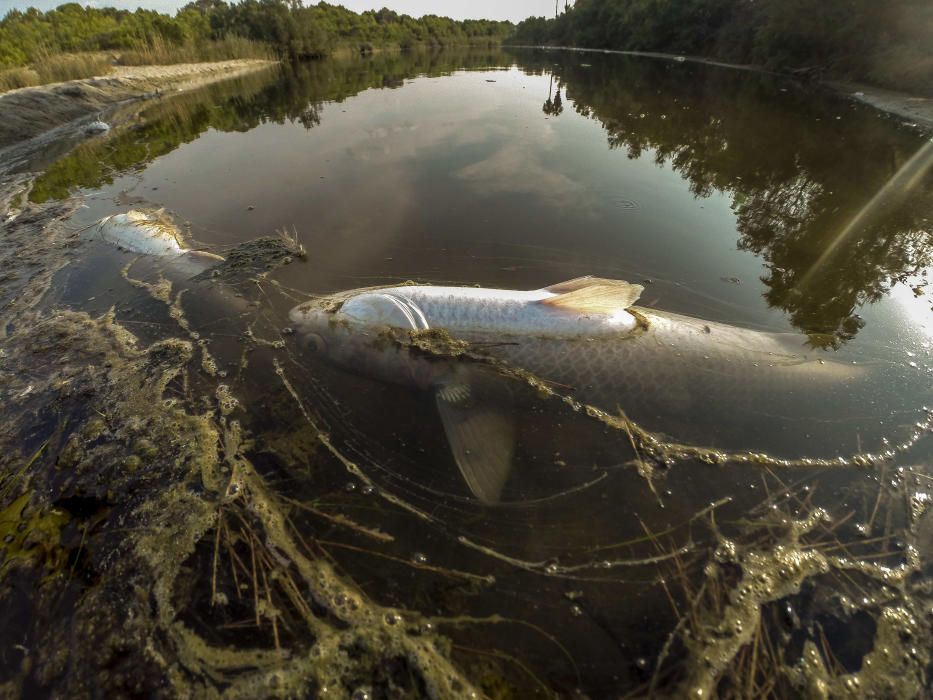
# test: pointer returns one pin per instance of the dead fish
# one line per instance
(97, 126)
(584, 334)
(153, 233)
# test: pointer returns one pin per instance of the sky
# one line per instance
(515, 10)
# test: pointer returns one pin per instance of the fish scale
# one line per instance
(673, 365)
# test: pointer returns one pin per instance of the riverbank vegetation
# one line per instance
(76, 42)
(887, 43)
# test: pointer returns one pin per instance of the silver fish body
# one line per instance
(587, 340)
(152, 233)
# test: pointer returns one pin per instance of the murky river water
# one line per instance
(731, 196)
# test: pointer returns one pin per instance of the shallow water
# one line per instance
(732, 196)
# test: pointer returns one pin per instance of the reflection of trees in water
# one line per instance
(553, 106)
(296, 95)
(799, 169)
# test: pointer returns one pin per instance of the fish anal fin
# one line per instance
(475, 412)
(595, 296)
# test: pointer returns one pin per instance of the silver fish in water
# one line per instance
(584, 335)
(153, 233)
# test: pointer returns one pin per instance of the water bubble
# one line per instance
(362, 694)
(392, 618)
(368, 490)
(419, 558)
(552, 568)
(350, 487)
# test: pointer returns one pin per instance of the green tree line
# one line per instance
(288, 27)
(887, 43)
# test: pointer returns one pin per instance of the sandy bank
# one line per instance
(29, 112)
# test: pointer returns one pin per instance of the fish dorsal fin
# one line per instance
(476, 413)
(573, 285)
(593, 295)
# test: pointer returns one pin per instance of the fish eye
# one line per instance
(315, 343)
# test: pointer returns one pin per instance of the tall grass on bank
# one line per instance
(55, 68)
(15, 78)
(160, 52)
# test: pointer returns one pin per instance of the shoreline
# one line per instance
(917, 110)
(34, 113)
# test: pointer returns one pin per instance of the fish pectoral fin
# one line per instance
(593, 295)
(475, 409)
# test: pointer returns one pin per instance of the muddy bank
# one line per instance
(918, 110)
(29, 112)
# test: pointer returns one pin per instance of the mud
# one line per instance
(914, 109)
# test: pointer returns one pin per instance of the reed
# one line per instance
(160, 52)
(15, 78)
(55, 68)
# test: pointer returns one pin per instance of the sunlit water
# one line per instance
(716, 189)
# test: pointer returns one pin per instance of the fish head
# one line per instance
(355, 331)
(364, 312)
(312, 323)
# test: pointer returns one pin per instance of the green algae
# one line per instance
(138, 456)
(190, 472)
(30, 534)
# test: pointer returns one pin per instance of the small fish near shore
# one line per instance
(153, 233)
(723, 383)
(98, 126)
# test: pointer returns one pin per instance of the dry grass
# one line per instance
(15, 78)
(55, 68)
(159, 52)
